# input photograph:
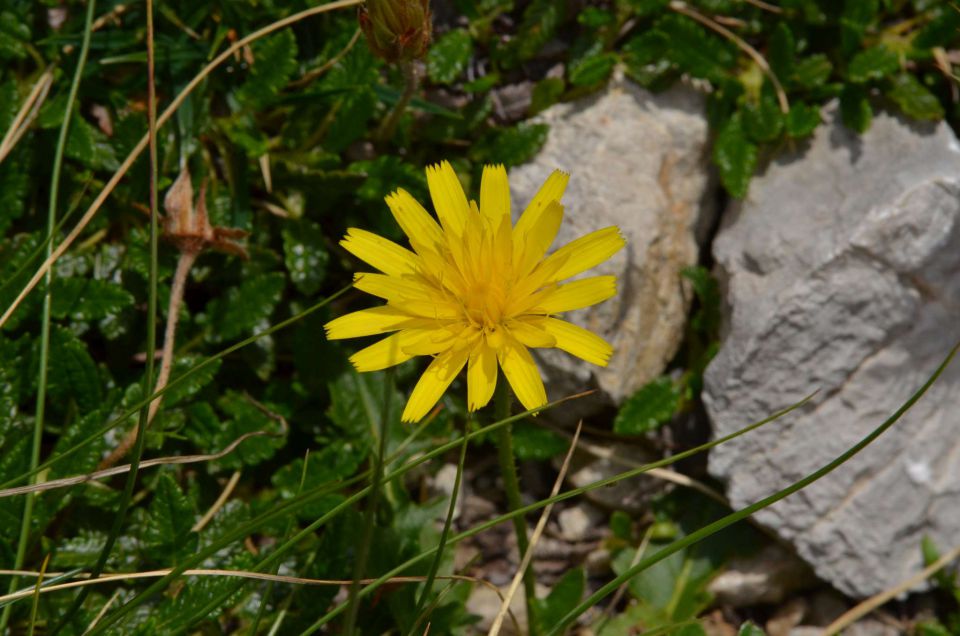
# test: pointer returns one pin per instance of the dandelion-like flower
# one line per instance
(476, 290)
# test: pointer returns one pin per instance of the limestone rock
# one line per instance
(638, 161)
(842, 274)
(768, 576)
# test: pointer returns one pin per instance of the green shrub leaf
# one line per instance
(649, 408)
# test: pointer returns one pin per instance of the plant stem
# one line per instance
(177, 289)
(370, 520)
(511, 487)
(435, 565)
(41, 403)
(389, 126)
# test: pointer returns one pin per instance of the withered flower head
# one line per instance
(397, 30)
(189, 228)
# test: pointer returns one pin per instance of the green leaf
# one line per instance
(86, 299)
(170, 517)
(274, 61)
(706, 319)
(914, 99)
(511, 146)
(565, 594)
(750, 629)
(449, 55)
(9, 103)
(244, 307)
(649, 408)
(695, 50)
(546, 93)
(89, 146)
(645, 57)
(855, 109)
(941, 31)
(812, 72)
(932, 628)
(335, 462)
(873, 64)
(357, 401)
(540, 21)
(592, 69)
(192, 385)
(595, 18)
(763, 121)
(802, 120)
(14, 36)
(782, 56)
(72, 372)
(14, 182)
(532, 442)
(305, 255)
(857, 16)
(209, 434)
(735, 156)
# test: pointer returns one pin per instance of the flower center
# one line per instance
(484, 305)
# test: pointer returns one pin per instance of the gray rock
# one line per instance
(842, 274)
(638, 161)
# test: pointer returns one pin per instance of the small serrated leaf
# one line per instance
(244, 307)
(812, 72)
(567, 592)
(592, 69)
(305, 255)
(85, 299)
(532, 442)
(750, 629)
(802, 120)
(649, 408)
(735, 156)
(275, 59)
(449, 55)
(170, 517)
(855, 108)
(72, 372)
(763, 121)
(914, 99)
(511, 146)
(874, 63)
(546, 92)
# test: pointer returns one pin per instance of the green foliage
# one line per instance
(565, 594)
(449, 55)
(736, 156)
(649, 408)
(537, 443)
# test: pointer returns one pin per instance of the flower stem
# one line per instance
(511, 486)
(389, 125)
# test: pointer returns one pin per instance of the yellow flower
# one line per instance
(476, 291)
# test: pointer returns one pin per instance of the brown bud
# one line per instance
(397, 30)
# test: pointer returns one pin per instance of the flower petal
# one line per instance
(586, 252)
(391, 287)
(533, 243)
(414, 220)
(382, 354)
(578, 341)
(522, 374)
(433, 383)
(577, 295)
(551, 190)
(379, 252)
(448, 198)
(369, 322)
(494, 194)
(531, 334)
(481, 377)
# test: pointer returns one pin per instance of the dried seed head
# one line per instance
(189, 227)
